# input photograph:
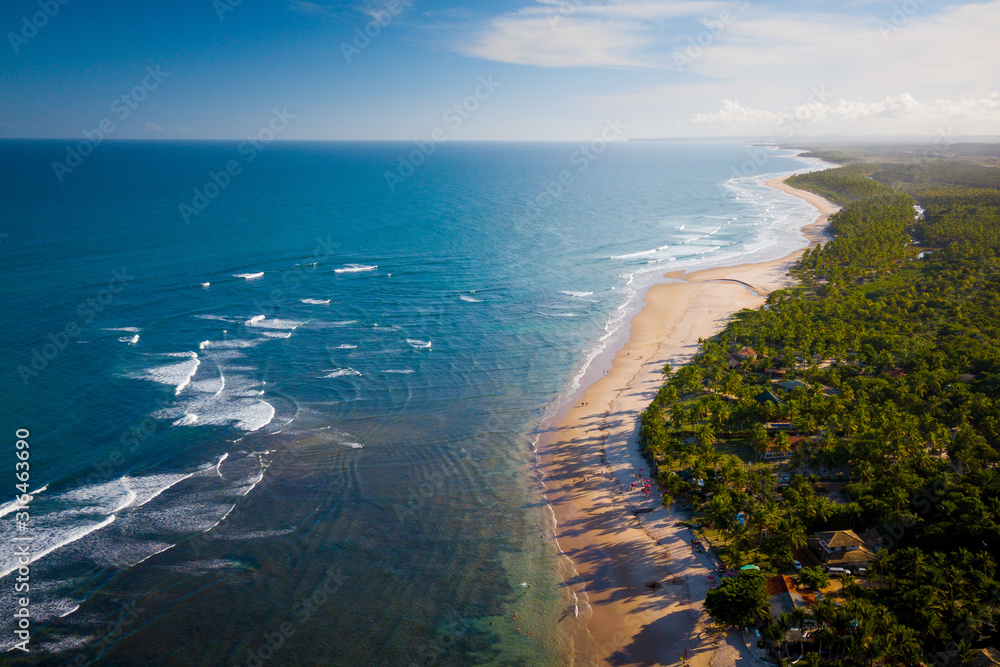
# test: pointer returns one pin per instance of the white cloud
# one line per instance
(945, 49)
(899, 107)
(564, 33)
(576, 43)
(154, 127)
(732, 113)
(763, 64)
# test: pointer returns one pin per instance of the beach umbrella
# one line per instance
(749, 567)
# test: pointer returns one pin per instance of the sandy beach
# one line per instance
(639, 583)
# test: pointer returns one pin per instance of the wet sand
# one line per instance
(590, 459)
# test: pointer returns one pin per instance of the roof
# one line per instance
(987, 657)
(854, 558)
(768, 396)
(779, 426)
(871, 538)
(840, 538)
(747, 352)
(785, 595)
(829, 486)
(793, 442)
(791, 385)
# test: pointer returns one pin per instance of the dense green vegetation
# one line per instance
(740, 600)
(893, 334)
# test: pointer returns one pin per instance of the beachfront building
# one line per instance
(768, 396)
(777, 450)
(842, 548)
(785, 596)
(986, 657)
(744, 355)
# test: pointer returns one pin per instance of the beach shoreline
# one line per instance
(638, 583)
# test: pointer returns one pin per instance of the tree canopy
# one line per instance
(740, 600)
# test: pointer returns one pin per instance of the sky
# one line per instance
(490, 70)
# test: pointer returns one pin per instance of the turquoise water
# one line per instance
(291, 421)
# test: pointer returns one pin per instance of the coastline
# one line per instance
(590, 459)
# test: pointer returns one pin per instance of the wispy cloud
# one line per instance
(898, 107)
(310, 8)
(559, 33)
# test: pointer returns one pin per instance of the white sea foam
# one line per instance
(128, 499)
(206, 284)
(66, 538)
(568, 292)
(219, 318)
(418, 344)
(131, 340)
(356, 268)
(225, 395)
(632, 255)
(263, 322)
(255, 417)
(149, 487)
(249, 276)
(177, 375)
(67, 613)
(316, 302)
(7, 508)
(353, 445)
(399, 371)
(243, 410)
(232, 344)
(341, 372)
(466, 297)
(345, 346)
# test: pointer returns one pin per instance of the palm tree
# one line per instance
(792, 531)
(964, 652)
(678, 415)
(775, 633)
(706, 436)
(797, 619)
(758, 438)
(730, 469)
(764, 515)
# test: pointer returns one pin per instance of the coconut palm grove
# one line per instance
(839, 445)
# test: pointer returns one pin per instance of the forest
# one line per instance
(865, 398)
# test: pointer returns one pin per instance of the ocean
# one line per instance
(281, 401)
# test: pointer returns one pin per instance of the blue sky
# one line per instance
(556, 69)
